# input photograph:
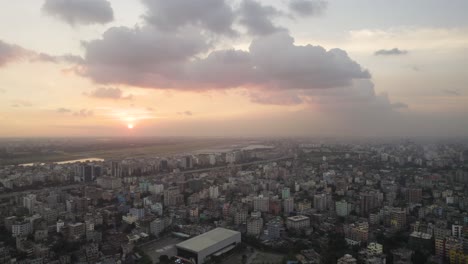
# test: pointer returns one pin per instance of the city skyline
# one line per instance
(233, 68)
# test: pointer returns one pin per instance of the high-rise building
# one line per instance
(116, 169)
(29, 201)
(274, 229)
(285, 193)
(254, 226)
(214, 192)
(321, 202)
(288, 205)
(342, 208)
(157, 226)
(457, 231)
(20, 229)
(172, 196)
(261, 204)
(414, 195)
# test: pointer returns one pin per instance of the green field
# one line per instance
(154, 149)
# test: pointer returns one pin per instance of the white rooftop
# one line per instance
(206, 240)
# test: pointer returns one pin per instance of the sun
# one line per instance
(130, 126)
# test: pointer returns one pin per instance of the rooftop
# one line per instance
(298, 218)
(207, 239)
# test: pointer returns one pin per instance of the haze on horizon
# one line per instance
(233, 68)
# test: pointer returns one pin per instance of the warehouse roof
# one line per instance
(208, 239)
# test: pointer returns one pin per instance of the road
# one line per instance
(78, 185)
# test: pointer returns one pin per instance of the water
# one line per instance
(65, 162)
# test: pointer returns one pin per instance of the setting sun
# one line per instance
(130, 126)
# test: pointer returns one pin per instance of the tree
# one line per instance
(164, 259)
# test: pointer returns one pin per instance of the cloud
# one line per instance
(84, 113)
(187, 113)
(63, 110)
(273, 61)
(68, 58)
(308, 7)
(109, 93)
(454, 92)
(144, 56)
(276, 97)
(21, 103)
(257, 18)
(10, 53)
(83, 12)
(399, 105)
(390, 52)
(213, 15)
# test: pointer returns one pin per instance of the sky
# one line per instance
(366, 68)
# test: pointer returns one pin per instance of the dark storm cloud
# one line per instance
(63, 110)
(109, 93)
(257, 18)
(9, 53)
(76, 12)
(390, 52)
(308, 7)
(214, 15)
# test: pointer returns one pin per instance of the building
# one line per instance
(320, 202)
(457, 231)
(23, 228)
(109, 183)
(261, 204)
(172, 196)
(157, 226)
(398, 219)
(213, 243)
(402, 255)
(347, 259)
(342, 208)
(420, 240)
(274, 229)
(254, 226)
(285, 193)
(138, 213)
(298, 222)
(288, 205)
(374, 249)
(29, 201)
(76, 230)
(356, 233)
(414, 195)
(214, 192)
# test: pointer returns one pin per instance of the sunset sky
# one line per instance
(233, 68)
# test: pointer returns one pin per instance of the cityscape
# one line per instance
(233, 132)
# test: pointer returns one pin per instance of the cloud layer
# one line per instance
(213, 15)
(390, 52)
(9, 53)
(109, 93)
(308, 7)
(75, 12)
